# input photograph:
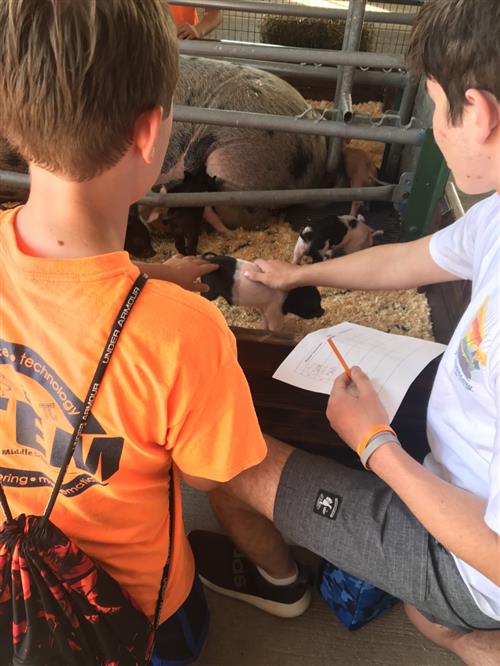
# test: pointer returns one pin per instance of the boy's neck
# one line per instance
(68, 220)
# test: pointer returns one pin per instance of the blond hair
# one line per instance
(76, 74)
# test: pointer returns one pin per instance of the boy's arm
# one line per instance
(455, 517)
(184, 271)
(391, 266)
(452, 515)
(211, 19)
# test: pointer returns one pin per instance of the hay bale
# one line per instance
(308, 33)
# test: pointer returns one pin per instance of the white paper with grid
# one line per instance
(391, 361)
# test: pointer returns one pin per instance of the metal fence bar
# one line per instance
(195, 47)
(265, 121)
(14, 179)
(410, 3)
(405, 114)
(326, 74)
(298, 10)
(272, 198)
(266, 198)
(343, 91)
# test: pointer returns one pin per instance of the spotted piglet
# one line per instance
(231, 283)
(321, 238)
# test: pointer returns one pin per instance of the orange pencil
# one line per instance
(339, 356)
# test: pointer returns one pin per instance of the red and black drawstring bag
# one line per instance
(57, 607)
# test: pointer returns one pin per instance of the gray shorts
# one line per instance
(356, 522)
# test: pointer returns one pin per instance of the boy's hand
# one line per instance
(275, 274)
(187, 271)
(354, 407)
(187, 31)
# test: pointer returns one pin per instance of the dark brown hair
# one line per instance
(457, 43)
(76, 74)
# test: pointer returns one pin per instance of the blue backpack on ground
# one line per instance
(354, 601)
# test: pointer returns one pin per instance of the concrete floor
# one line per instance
(241, 635)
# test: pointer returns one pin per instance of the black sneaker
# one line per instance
(224, 569)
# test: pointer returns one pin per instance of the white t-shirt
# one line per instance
(463, 419)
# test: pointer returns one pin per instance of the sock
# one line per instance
(279, 581)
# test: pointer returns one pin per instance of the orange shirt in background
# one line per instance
(173, 392)
(184, 14)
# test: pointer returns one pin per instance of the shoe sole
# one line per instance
(271, 607)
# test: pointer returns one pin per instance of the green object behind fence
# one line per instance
(428, 187)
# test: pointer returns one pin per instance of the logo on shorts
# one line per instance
(327, 504)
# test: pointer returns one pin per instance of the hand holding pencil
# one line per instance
(354, 406)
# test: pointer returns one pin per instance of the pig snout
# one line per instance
(302, 248)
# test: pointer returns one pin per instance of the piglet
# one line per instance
(360, 172)
(137, 239)
(185, 222)
(321, 238)
(231, 283)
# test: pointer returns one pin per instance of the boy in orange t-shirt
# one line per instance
(189, 25)
(174, 393)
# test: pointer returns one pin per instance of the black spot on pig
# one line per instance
(301, 161)
(220, 282)
(322, 235)
(185, 223)
(178, 145)
(137, 239)
(270, 133)
(304, 302)
(198, 152)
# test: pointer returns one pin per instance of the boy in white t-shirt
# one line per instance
(429, 534)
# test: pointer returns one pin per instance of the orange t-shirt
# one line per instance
(173, 391)
(184, 14)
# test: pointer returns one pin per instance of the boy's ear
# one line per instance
(484, 113)
(146, 128)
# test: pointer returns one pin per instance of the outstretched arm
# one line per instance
(392, 266)
(184, 271)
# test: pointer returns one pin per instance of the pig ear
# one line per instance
(379, 232)
(360, 218)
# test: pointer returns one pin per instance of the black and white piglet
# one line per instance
(322, 237)
(230, 283)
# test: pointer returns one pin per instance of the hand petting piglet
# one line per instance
(233, 281)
